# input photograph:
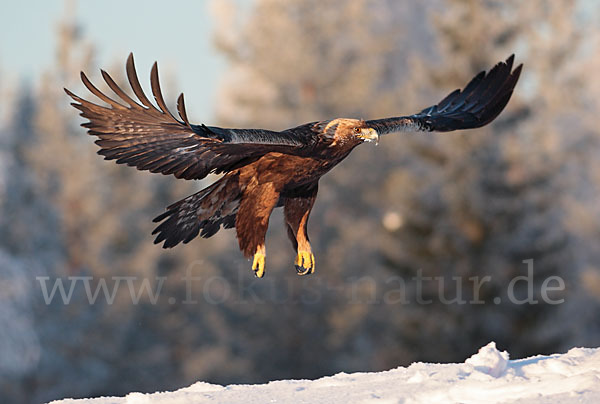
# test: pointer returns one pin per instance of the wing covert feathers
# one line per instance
(148, 136)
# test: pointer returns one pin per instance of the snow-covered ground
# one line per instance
(486, 377)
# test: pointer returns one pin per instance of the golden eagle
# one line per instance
(262, 169)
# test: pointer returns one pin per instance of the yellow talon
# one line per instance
(305, 263)
(258, 265)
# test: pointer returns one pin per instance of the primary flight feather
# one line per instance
(262, 169)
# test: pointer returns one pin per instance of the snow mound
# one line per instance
(486, 377)
(489, 360)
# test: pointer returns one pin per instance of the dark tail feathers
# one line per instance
(201, 213)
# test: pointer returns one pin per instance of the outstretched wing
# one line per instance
(478, 104)
(139, 134)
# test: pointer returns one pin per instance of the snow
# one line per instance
(486, 377)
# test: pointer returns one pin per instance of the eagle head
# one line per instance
(366, 134)
(352, 131)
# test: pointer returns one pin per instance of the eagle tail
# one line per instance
(202, 213)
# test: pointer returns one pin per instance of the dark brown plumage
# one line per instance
(262, 169)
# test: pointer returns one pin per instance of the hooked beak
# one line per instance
(369, 135)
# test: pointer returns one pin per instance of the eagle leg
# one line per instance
(252, 222)
(305, 262)
(258, 264)
(297, 207)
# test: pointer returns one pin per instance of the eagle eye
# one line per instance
(357, 130)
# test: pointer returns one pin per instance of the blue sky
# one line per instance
(176, 33)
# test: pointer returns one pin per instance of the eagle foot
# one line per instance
(305, 263)
(258, 264)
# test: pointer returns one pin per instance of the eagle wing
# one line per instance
(479, 103)
(139, 134)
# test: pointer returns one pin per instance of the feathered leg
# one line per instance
(252, 221)
(297, 207)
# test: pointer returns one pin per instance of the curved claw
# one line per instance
(305, 263)
(258, 264)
